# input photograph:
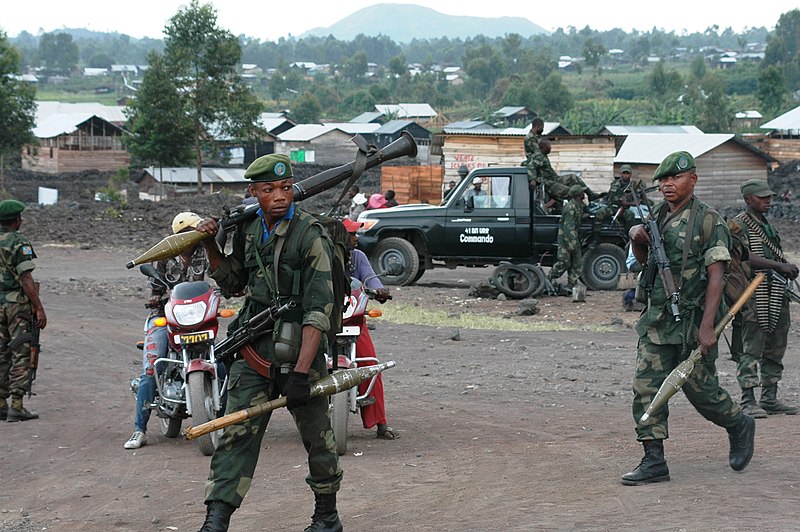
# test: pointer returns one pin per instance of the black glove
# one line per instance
(297, 390)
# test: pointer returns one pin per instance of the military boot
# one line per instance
(750, 406)
(652, 468)
(17, 412)
(218, 517)
(742, 440)
(771, 404)
(325, 518)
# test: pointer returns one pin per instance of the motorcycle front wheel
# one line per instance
(170, 426)
(200, 394)
(339, 416)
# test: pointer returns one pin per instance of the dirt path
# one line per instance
(499, 430)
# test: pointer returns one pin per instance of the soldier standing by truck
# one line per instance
(568, 256)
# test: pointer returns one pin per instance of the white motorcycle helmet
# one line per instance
(185, 220)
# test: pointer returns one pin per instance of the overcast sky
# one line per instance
(270, 20)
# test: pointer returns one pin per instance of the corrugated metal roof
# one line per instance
(184, 175)
(355, 128)
(369, 116)
(508, 111)
(111, 113)
(305, 132)
(630, 130)
(469, 124)
(407, 110)
(652, 148)
(785, 122)
(270, 123)
(392, 126)
(549, 127)
(60, 124)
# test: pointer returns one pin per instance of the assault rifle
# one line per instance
(33, 365)
(658, 253)
(258, 325)
(790, 285)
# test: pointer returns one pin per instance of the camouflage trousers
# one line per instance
(760, 350)
(559, 188)
(570, 261)
(653, 363)
(235, 458)
(15, 356)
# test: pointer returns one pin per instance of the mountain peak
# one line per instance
(405, 22)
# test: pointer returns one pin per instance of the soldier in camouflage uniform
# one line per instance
(699, 266)
(534, 157)
(295, 350)
(20, 304)
(759, 343)
(568, 256)
(558, 186)
(618, 197)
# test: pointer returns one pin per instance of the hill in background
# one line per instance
(405, 22)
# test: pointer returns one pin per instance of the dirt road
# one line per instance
(499, 430)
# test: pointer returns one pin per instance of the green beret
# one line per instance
(625, 168)
(272, 167)
(674, 164)
(10, 209)
(758, 187)
(574, 190)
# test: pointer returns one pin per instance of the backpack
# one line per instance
(336, 233)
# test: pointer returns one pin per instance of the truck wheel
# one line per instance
(538, 276)
(395, 250)
(514, 281)
(602, 266)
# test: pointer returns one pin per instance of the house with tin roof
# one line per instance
(323, 144)
(723, 160)
(77, 136)
(783, 136)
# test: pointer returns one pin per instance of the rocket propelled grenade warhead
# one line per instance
(336, 382)
(171, 246)
(678, 377)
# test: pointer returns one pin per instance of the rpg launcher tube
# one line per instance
(338, 381)
(170, 246)
(678, 377)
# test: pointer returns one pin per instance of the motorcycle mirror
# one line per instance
(150, 271)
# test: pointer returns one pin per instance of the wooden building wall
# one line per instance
(58, 160)
(592, 158)
(331, 149)
(720, 173)
(413, 184)
(785, 150)
(589, 156)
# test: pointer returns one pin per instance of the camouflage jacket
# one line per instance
(16, 258)
(304, 272)
(532, 148)
(741, 269)
(710, 243)
(570, 225)
(616, 192)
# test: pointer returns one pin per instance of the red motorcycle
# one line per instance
(187, 380)
(348, 402)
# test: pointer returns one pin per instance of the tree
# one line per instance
(355, 68)
(593, 52)
(17, 106)
(203, 58)
(553, 99)
(58, 53)
(772, 89)
(161, 131)
(784, 47)
(306, 109)
(715, 109)
(698, 68)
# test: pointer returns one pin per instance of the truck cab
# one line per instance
(498, 220)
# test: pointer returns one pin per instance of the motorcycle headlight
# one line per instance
(192, 314)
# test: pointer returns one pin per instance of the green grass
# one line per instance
(412, 315)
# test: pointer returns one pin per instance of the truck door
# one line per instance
(481, 223)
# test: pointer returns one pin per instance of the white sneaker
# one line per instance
(136, 440)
